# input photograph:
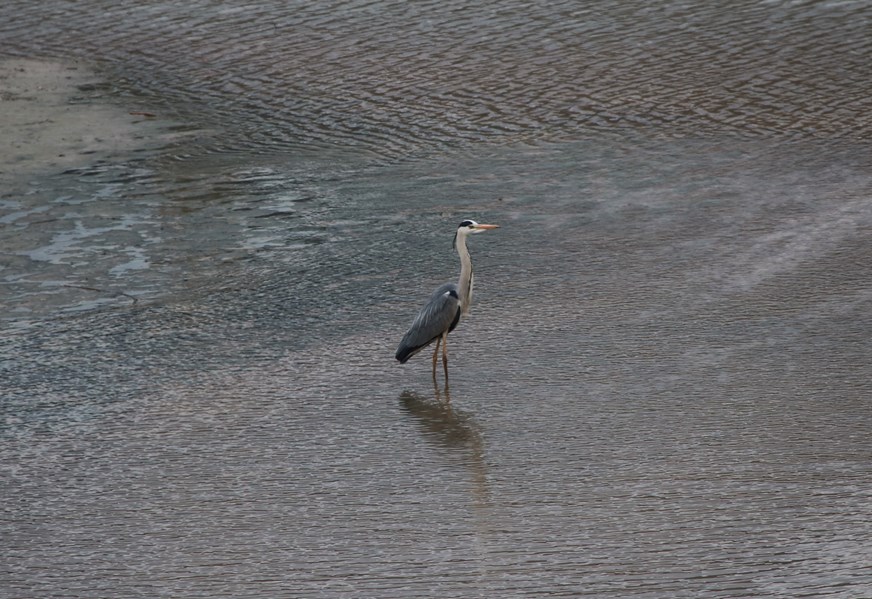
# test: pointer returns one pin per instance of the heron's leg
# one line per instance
(445, 354)
(436, 356)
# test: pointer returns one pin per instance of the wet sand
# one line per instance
(54, 117)
(64, 125)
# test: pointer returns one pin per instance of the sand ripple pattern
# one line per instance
(394, 79)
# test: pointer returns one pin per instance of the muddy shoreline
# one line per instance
(54, 117)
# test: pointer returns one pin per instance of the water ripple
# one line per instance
(393, 80)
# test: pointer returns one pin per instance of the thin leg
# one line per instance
(440, 394)
(436, 356)
(445, 355)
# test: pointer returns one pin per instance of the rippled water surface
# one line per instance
(663, 387)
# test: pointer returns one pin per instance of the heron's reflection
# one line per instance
(452, 429)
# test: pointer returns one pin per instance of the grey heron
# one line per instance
(443, 310)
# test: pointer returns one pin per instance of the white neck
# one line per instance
(465, 283)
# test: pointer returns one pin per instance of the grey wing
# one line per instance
(440, 314)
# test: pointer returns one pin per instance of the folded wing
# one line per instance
(440, 314)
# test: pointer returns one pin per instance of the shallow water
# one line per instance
(663, 388)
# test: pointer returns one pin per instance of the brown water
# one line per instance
(663, 388)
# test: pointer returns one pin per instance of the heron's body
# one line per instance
(443, 310)
(440, 315)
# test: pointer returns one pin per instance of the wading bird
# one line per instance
(443, 310)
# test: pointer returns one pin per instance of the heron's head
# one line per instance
(467, 227)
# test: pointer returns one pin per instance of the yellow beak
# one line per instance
(487, 226)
